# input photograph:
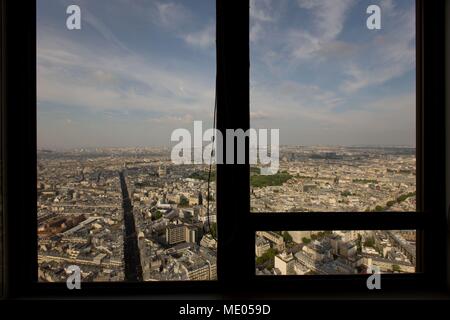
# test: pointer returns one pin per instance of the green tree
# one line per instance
(267, 259)
(287, 237)
(359, 243)
(259, 181)
(396, 268)
(203, 175)
(184, 202)
(213, 230)
(346, 193)
(157, 215)
(390, 203)
(370, 242)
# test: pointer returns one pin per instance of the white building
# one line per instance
(285, 263)
(261, 246)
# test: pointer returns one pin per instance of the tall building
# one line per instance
(175, 233)
(162, 171)
(284, 262)
(190, 234)
(261, 246)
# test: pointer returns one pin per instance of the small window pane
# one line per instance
(334, 252)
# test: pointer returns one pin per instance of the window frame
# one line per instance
(236, 224)
(428, 220)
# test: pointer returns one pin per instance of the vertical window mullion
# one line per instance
(233, 113)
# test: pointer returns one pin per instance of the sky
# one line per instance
(138, 69)
(134, 72)
(321, 76)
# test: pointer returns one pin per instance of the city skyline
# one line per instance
(93, 148)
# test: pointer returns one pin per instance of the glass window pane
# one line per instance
(110, 93)
(342, 93)
(335, 252)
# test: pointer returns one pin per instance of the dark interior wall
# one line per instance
(2, 251)
(447, 126)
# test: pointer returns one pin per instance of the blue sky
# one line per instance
(322, 77)
(140, 68)
(133, 73)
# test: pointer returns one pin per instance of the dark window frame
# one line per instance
(236, 225)
(429, 219)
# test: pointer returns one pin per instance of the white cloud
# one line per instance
(357, 65)
(259, 115)
(272, 105)
(255, 32)
(98, 79)
(310, 115)
(204, 38)
(333, 109)
(94, 91)
(172, 15)
(186, 119)
(387, 6)
(329, 16)
(102, 29)
(262, 12)
(328, 22)
(387, 56)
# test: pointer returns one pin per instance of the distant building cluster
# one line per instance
(340, 179)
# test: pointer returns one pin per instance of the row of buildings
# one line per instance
(334, 252)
